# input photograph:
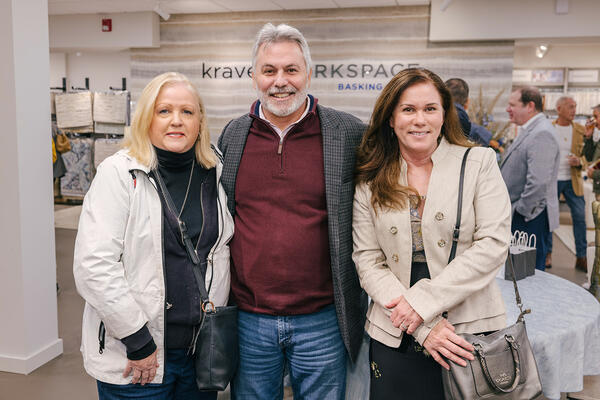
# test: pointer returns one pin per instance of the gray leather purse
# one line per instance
(504, 366)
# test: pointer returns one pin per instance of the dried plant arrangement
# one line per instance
(481, 112)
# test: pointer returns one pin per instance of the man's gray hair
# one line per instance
(561, 100)
(270, 33)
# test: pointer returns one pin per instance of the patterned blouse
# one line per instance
(418, 251)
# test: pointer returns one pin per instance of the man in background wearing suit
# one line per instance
(289, 177)
(530, 170)
(460, 95)
(570, 136)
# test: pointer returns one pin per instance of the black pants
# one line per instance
(404, 373)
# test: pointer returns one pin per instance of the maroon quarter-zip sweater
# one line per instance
(280, 249)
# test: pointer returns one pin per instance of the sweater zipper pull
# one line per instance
(280, 147)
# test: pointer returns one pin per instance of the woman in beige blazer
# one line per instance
(408, 168)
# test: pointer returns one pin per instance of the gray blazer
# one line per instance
(530, 170)
(342, 134)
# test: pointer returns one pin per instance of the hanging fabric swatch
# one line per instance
(110, 112)
(104, 148)
(110, 107)
(107, 128)
(78, 161)
(74, 110)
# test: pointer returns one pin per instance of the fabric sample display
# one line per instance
(110, 107)
(108, 128)
(58, 167)
(78, 161)
(52, 102)
(73, 109)
(104, 148)
(80, 129)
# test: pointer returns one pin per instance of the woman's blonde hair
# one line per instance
(138, 140)
(377, 158)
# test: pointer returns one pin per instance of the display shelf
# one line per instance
(583, 84)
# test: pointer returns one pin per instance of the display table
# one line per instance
(563, 328)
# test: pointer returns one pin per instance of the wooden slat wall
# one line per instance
(387, 36)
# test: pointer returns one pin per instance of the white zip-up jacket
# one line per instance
(118, 264)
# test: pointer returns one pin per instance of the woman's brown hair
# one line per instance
(378, 156)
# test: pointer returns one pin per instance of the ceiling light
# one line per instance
(541, 50)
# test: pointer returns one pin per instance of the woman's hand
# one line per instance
(590, 172)
(144, 370)
(442, 341)
(403, 315)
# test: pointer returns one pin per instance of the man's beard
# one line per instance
(282, 111)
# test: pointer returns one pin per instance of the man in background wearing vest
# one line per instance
(288, 173)
(570, 136)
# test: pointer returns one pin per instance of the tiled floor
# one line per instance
(64, 378)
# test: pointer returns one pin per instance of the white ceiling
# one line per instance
(58, 7)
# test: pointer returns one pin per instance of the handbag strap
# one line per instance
(513, 346)
(517, 295)
(456, 234)
(185, 238)
(206, 304)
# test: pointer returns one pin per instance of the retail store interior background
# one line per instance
(111, 47)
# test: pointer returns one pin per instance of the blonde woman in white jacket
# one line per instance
(131, 262)
(408, 168)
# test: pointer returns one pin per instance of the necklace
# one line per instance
(191, 250)
(187, 191)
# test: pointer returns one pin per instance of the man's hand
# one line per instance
(573, 160)
(144, 370)
(589, 128)
(403, 315)
(443, 342)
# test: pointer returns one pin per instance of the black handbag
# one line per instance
(504, 366)
(215, 345)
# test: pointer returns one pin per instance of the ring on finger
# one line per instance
(403, 327)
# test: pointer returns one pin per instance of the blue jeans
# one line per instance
(179, 383)
(577, 206)
(309, 346)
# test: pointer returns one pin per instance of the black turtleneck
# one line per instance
(175, 170)
(199, 214)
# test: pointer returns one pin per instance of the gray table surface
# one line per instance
(563, 329)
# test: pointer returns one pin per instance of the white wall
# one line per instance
(104, 69)
(572, 55)
(512, 19)
(84, 31)
(58, 68)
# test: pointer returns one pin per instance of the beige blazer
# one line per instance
(577, 150)
(466, 287)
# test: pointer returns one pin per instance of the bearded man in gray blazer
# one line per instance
(289, 177)
(530, 170)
